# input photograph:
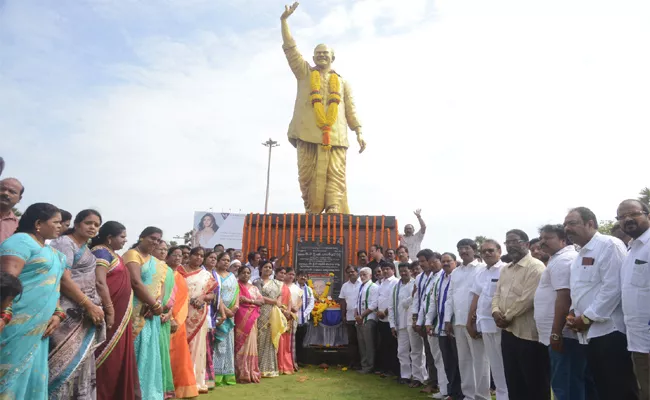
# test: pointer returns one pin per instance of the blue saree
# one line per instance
(147, 330)
(224, 351)
(24, 371)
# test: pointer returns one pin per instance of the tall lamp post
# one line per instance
(270, 144)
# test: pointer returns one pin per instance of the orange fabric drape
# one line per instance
(313, 227)
(350, 227)
(374, 230)
(270, 238)
(329, 226)
(306, 227)
(390, 242)
(291, 231)
(262, 242)
(278, 250)
(257, 229)
(381, 232)
(284, 232)
(367, 234)
(341, 230)
(320, 230)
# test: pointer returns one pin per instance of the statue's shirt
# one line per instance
(303, 123)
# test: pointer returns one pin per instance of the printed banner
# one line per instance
(212, 228)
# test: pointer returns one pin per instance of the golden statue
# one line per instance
(323, 112)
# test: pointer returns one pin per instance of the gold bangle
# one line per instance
(84, 301)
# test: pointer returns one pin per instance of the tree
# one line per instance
(479, 240)
(173, 243)
(644, 195)
(187, 237)
(605, 226)
(16, 212)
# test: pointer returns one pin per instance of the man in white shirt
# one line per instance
(365, 316)
(480, 324)
(417, 337)
(434, 320)
(348, 299)
(551, 307)
(635, 281)
(597, 312)
(472, 361)
(435, 365)
(388, 365)
(398, 314)
(253, 263)
(304, 314)
(411, 239)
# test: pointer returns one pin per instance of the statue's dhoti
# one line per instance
(322, 178)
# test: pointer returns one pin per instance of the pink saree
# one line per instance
(285, 355)
(247, 368)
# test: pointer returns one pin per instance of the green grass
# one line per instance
(312, 383)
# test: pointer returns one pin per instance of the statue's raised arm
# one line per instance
(298, 65)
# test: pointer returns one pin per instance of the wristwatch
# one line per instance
(586, 320)
(555, 337)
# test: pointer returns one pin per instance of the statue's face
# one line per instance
(323, 56)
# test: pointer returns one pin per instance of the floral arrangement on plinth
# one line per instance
(323, 301)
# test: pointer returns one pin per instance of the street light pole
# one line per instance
(270, 144)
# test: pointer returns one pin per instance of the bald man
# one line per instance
(11, 191)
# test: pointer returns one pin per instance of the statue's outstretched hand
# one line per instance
(362, 143)
(288, 10)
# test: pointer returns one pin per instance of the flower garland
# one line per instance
(325, 119)
(323, 301)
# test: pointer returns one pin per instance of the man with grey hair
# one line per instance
(11, 192)
(366, 318)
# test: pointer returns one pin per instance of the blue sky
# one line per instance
(487, 115)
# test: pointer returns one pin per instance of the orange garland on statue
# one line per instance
(390, 242)
(313, 227)
(381, 233)
(250, 231)
(374, 230)
(357, 238)
(350, 240)
(397, 243)
(257, 229)
(321, 228)
(341, 230)
(270, 235)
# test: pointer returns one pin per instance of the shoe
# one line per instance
(438, 396)
(415, 384)
(427, 389)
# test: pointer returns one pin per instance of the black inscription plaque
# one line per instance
(319, 259)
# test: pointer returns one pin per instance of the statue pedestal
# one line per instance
(354, 232)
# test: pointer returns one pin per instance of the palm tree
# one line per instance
(479, 240)
(644, 195)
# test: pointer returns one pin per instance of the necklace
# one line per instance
(37, 239)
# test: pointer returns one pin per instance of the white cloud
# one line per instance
(487, 115)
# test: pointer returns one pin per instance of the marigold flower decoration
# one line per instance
(323, 302)
(325, 119)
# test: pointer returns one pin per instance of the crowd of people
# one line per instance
(566, 312)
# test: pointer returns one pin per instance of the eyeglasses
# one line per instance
(630, 215)
(490, 251)
(514, 241)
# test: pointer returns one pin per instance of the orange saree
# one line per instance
(179, 350)
(285, 357)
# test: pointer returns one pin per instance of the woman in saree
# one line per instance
(26, 324)
(247, 369)
(165, 326)
(72, 345)
(224, 353)
(147, 283)
(285, 353)
(210, 264)
(201, 286)
(269, 323)
(117, 352)
(179, 350)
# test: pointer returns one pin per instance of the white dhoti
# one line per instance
(434, 345)
(418, 359)
(492, 343)
(404, 353)
(473, 365)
